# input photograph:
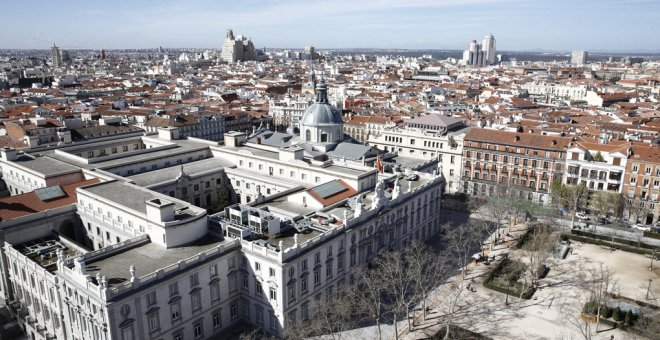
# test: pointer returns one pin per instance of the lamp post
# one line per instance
(648, 288)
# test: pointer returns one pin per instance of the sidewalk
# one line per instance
(486, 312)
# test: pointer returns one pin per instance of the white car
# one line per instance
(582, 216)
(641, 227)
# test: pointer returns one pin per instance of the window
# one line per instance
(151, 298)
(194, 279)
(232, 283)
(260, 315)
(233, 312)
(215, 292)
(198, 331)
(231, 262)
(292, 292)
(257, 288)
(216, 319)
(303, 265)
(273, 321)
(635, 168)
(213, 270)
(196, 301)
(257, 266)
(152, 320)
(271, 271)
(174, 289)
(175, 311)
(317, 277)
(273, 294)
(127, 332)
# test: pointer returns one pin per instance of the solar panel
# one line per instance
(329, 189)
(49, 193)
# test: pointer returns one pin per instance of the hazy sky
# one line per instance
(427, 24)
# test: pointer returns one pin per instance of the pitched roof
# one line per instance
(29, 203)
(518, 139)
(435, 119)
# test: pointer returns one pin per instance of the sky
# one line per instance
(521, 25)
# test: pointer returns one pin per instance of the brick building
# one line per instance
(523, 162)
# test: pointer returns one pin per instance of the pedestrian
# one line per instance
(571, 251)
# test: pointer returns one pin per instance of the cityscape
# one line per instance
(502, 183)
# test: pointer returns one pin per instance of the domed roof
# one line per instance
(321, 114)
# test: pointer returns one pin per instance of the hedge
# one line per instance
(651, 234)
(609, 244)
(637, 302)
(513, 292)
(614, 239)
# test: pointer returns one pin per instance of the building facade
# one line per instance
(524, 163)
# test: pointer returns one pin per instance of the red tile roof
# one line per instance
(29, 203)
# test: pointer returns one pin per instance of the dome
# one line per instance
(321, 114)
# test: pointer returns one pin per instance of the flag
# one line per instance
(379, 164)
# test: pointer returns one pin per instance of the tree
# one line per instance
(367, 294)
(538, 247)
(462, 242)
(329, 317)
(636, 209)
(600, 284)
(427, 268)
(576, 197)
(393, 271)
(498, 206)
(222, 200)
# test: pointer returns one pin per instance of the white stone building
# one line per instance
(162, 268)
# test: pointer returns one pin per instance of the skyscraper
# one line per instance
(488, 46)
(239, 48)
(481, 55)
(579, 57)
(55, 56)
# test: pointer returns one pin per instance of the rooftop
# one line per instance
(168, 174)
(147, 258)
(45, 165)
(29, 203)
(134, 197)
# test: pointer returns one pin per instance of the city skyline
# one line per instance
(420, 24)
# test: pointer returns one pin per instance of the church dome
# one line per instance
(321, 112)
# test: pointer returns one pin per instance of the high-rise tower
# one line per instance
(488, 46)
(55, 56)
(579, 57)
(480, 55)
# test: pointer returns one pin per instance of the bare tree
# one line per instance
(329, 317)
(427, 268)
(574, 315)
(539, 246)
(462, 242)
(392, 270)
(576, 197)
(367, 295)
(600, 283)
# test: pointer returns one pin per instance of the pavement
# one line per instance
(550, 314)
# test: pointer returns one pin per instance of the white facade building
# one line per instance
(163, 268)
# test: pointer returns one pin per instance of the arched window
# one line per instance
(308, 135)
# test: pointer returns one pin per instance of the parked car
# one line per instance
(655, 230)
(412, 177)
(582, 216)
(604, 220)
(641, 227)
